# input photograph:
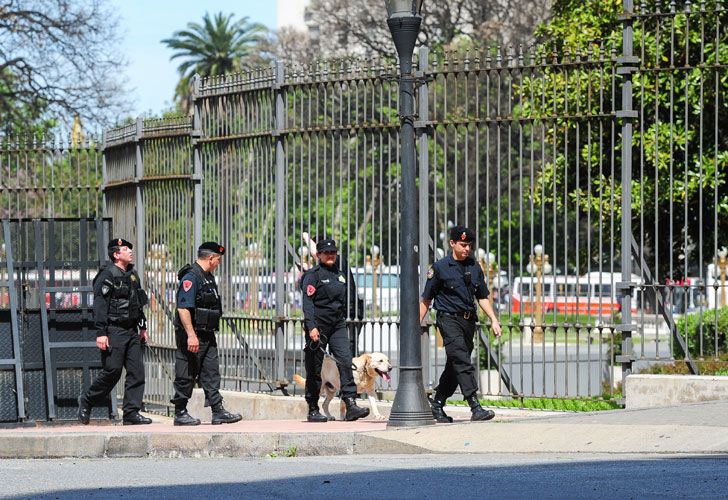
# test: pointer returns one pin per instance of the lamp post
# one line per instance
(538, 264)
(374, 260)
(719, 272)
(410, 407)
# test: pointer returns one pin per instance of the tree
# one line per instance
(218, 46)
(58, 57)
(680, 179)
(341, 27)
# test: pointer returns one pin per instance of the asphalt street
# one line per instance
(372, 477)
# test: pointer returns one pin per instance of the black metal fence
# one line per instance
(551, 153)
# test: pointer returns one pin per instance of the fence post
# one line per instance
(196, 164)
(104, 176)
(627, 65)
(280, 222)
(422, 126)
(139, 208)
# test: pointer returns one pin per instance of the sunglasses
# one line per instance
(328, 252)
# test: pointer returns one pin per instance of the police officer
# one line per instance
(120, 331)
(355, 311)
(324, 310)
(199, 310)
(454, 282)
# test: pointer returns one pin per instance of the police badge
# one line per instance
(342, 279)
(430, 273)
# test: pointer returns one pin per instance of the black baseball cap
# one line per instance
(212, 247)
(462, 233)
(327, 245)
(119, 242)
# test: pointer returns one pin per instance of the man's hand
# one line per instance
(102, 342)
(143, 335)
(496, 328)
(314, 334)
(193, 343)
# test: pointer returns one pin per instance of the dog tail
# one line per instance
(299, 380)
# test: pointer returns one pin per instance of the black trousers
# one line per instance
(457, 335)
(340, 348)
(202, 366)
(126, 352)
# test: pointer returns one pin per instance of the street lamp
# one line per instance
(410, 407)
(719, 272)
(538, 264)
(374, 260)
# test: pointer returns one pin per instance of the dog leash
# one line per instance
(321, 348)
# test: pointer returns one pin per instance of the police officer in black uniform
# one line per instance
(454, 282)
(199, 310)
(324, 309)
(120, 331)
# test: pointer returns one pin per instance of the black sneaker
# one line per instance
(221, 416)
(314, 415)
(184, 418)
(84, 410)
(136, 419)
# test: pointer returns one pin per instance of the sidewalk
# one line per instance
(693, 429)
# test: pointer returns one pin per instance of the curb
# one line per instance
(186, 445)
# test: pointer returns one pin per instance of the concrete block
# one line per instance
(75, 445)
(22, 446)
(127, 445)
(316, 444)
(650, 391)
(243, 445)
(251, 406)
(179, 445)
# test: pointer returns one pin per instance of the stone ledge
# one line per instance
(652, 391)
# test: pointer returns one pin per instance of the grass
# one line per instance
(549, 404)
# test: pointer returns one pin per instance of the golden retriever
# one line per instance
(366, 368)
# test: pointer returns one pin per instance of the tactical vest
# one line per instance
(125, 297)
(208, 306)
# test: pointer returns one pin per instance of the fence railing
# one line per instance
(551, 153)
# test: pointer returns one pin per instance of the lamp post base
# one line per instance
(410, 408)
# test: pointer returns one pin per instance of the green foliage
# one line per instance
(550, 404)
(218, 46)
(702, 331)
(680, 164)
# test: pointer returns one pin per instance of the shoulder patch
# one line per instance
(430, 273)
(310, 290)
(186, 285)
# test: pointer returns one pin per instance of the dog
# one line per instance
(366, 369)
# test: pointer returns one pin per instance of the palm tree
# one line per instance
(217, 46)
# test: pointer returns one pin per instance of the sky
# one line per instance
(151, 76)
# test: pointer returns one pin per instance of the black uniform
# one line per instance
(455, 285)
(325, 307)
(118, 303)
(197, 293)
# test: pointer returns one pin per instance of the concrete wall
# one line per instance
(650, 391)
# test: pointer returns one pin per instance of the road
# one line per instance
(372, 477)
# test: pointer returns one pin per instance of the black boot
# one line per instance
(221, 416)
(134, 418)
(440, 416)
(84, 410)
(478, 413)
(314, 415)
(181, 417)
(353, 412)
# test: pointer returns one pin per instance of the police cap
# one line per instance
(213, 247)
(462, 233)
(327, 245)
(119, 242)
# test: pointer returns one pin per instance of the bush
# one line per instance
(695, 326)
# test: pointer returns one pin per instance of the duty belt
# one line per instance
(460, 314)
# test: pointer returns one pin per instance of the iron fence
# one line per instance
(551, 153)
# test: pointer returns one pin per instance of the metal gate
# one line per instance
(48, 353)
